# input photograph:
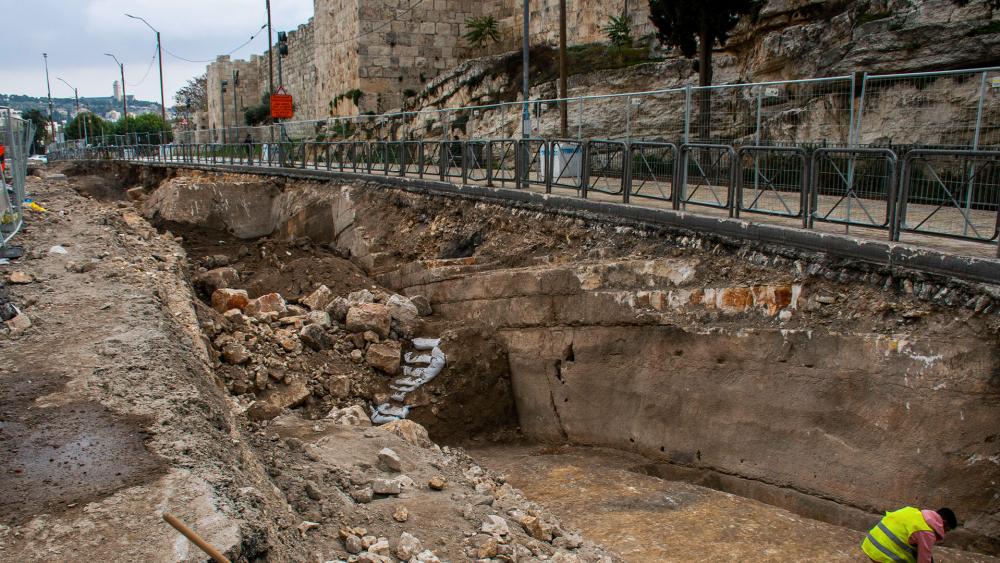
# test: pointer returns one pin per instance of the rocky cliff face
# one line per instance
(787, 40)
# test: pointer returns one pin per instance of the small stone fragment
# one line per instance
(235, 353)
(20, 278)
(385, 486)
(350, 416)
(422, 304)
(401, 514)
(407, 547)
(437, 483)
(319, 299)
(267, 303)
(219, 278)
(315, 337)
(225, 299)
(384, 356)
(488, 548)
(390, 459)
(363, 495)
(411, 432)
(495, 525)
(353, 544)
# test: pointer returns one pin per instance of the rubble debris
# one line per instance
(219, 278)
(390, 459)
(225, 299)
(18, 277)
(384, 356)
(369, 316)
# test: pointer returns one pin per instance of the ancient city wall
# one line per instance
(387, 52)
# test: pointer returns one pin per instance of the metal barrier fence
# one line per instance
(17, 136)
(957, 109)
(949, 193)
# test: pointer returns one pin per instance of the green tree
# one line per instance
(193, 96)
(619, 31)
(41, 123)
(482, 31)
(145, 126)
(260, 113)
(95, 126)
(695, 27)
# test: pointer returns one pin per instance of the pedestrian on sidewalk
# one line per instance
(908, 534)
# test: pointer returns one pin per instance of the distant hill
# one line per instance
(61, 107)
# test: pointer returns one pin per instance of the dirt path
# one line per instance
(108, 415)
(649, 519)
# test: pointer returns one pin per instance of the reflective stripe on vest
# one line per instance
(888, 541)
(902, 544)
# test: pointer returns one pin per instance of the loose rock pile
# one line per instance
(389, 494)
(322, 352)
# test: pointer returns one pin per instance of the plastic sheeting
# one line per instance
(414, 376)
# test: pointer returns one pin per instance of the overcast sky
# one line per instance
(77, 33)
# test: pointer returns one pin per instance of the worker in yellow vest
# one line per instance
(908, 534)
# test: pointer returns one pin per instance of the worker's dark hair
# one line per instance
(948, 515)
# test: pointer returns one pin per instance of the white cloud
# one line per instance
(77, 33)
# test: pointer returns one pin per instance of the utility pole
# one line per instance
(76, 96)
(526, 113)
(121, 67)
(270, 51)
(48, 88)
(236, 120)
(159, 56)
(563, 118)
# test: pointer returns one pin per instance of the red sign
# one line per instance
(281, 106)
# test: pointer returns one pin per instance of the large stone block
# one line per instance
(384, 356)
(369, 316)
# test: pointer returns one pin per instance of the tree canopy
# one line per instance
(41, 123)
(194, 93)
(95, 126)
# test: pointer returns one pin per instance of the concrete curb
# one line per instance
(889, 254)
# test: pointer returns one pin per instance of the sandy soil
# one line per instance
(645, 518)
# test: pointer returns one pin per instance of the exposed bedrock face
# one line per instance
(829, 394)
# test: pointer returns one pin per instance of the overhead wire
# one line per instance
(240, 46)
(148, 69)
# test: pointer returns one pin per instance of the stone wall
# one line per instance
(386, 51)
(248, 92)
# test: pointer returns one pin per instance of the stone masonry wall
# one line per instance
(384, 49)
(336, 57)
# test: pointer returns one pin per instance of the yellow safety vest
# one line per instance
(889, 540)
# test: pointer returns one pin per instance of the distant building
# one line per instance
(116, 88)
(112, 115)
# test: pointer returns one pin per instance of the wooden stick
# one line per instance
(215, 554)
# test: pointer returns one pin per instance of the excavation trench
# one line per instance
(832, 390)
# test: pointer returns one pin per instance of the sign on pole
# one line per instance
(281, 105)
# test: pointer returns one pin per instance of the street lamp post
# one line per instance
(159, 57)
(48, 88)
(76, 96)
(525, 44)
(236, 114)
(222, 107)
(121, 67)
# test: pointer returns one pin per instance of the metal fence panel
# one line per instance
(771, 181)
(951, 193)
(653, 170)
(707, 175)
(853, 186)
